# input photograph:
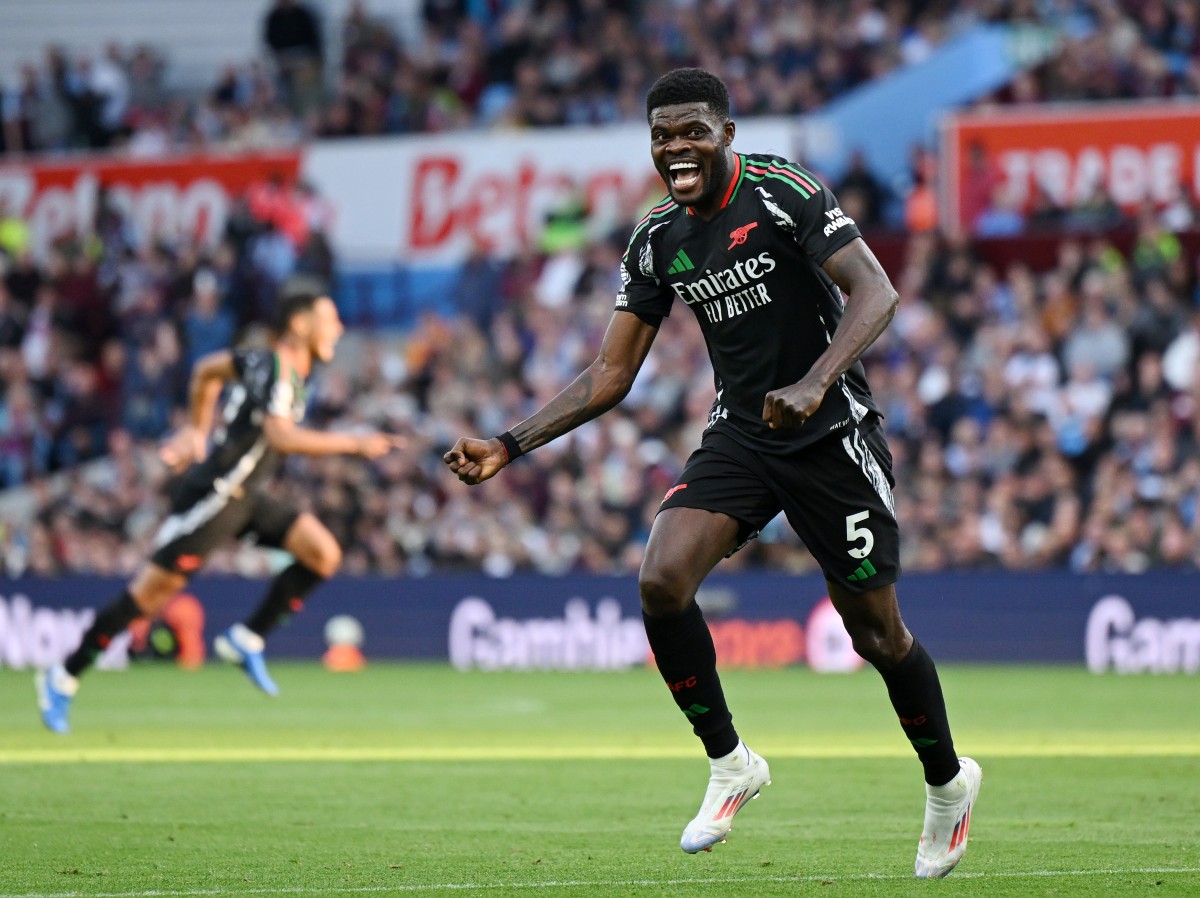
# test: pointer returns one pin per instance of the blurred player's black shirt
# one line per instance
(239, 456)
(753, 277)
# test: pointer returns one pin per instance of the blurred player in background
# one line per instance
(220, 496)
(763, 255)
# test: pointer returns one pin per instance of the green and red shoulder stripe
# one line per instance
(802, 182)
(663, 208)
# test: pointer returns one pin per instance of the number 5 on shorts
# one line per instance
(853, 534)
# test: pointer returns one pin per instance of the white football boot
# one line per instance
(735, 779)
(947, 820)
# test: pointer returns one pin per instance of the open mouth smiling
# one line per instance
(684, 175)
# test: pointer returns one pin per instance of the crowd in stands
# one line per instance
(1039, 418)
(565, 62)
(100, 336)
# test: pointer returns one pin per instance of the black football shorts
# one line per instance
(199, 522)
(836, 494)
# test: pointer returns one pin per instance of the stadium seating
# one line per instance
(1038, 386)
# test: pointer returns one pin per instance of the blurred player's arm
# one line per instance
(603, 384)
(869, 308)
(284, 435)
(189, 443)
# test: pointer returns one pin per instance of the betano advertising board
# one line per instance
(1135, 153)
(186, 197)
(430, 201)
(1124, 624)
(423, 201)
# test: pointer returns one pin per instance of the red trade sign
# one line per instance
(1148, 152)
(185, 197)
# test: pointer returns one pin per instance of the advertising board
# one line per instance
(1120, 624)
(432, 200)
(1132, 153)
(184, 196)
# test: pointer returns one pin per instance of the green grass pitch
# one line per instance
(421, 780)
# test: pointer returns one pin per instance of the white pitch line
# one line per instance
(980, 748)
(599, 883)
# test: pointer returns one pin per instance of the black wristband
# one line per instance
(511, 449)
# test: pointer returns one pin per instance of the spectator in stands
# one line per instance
(293, 34)
(108, 81)
(148, 93)
(1155, 248)
(1182, 357)
(34, 112)
(1157, 321)
(1096, 213)
(208, 326)
(19, 114)
(509, 63)
(14, 231)
(1097, 341)
(153, 385)
(920, 207)
(1003, 216)
(22, 277)
(20, 427)
(861, 194)
(12, 325)
(1045, 213)
(979, 182)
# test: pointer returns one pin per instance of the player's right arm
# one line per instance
(284, 435)
(189, 443)
(603, 384)
(276, 397)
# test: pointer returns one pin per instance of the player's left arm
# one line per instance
(869, 309)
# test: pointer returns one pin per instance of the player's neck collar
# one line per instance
(299, 361)
(733, 182)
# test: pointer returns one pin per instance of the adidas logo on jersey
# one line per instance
(681, 264)
(864, 571)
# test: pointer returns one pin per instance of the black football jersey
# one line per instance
(239, 456)
(752, 275)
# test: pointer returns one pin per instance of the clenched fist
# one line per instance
(474, 461)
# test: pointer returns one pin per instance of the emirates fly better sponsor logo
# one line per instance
(731, 291)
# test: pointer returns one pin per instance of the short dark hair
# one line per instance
(297, 295)
(689, 86)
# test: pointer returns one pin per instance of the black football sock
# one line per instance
(110, 620)
(686, 658)
(285, 597)
(916, 694)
